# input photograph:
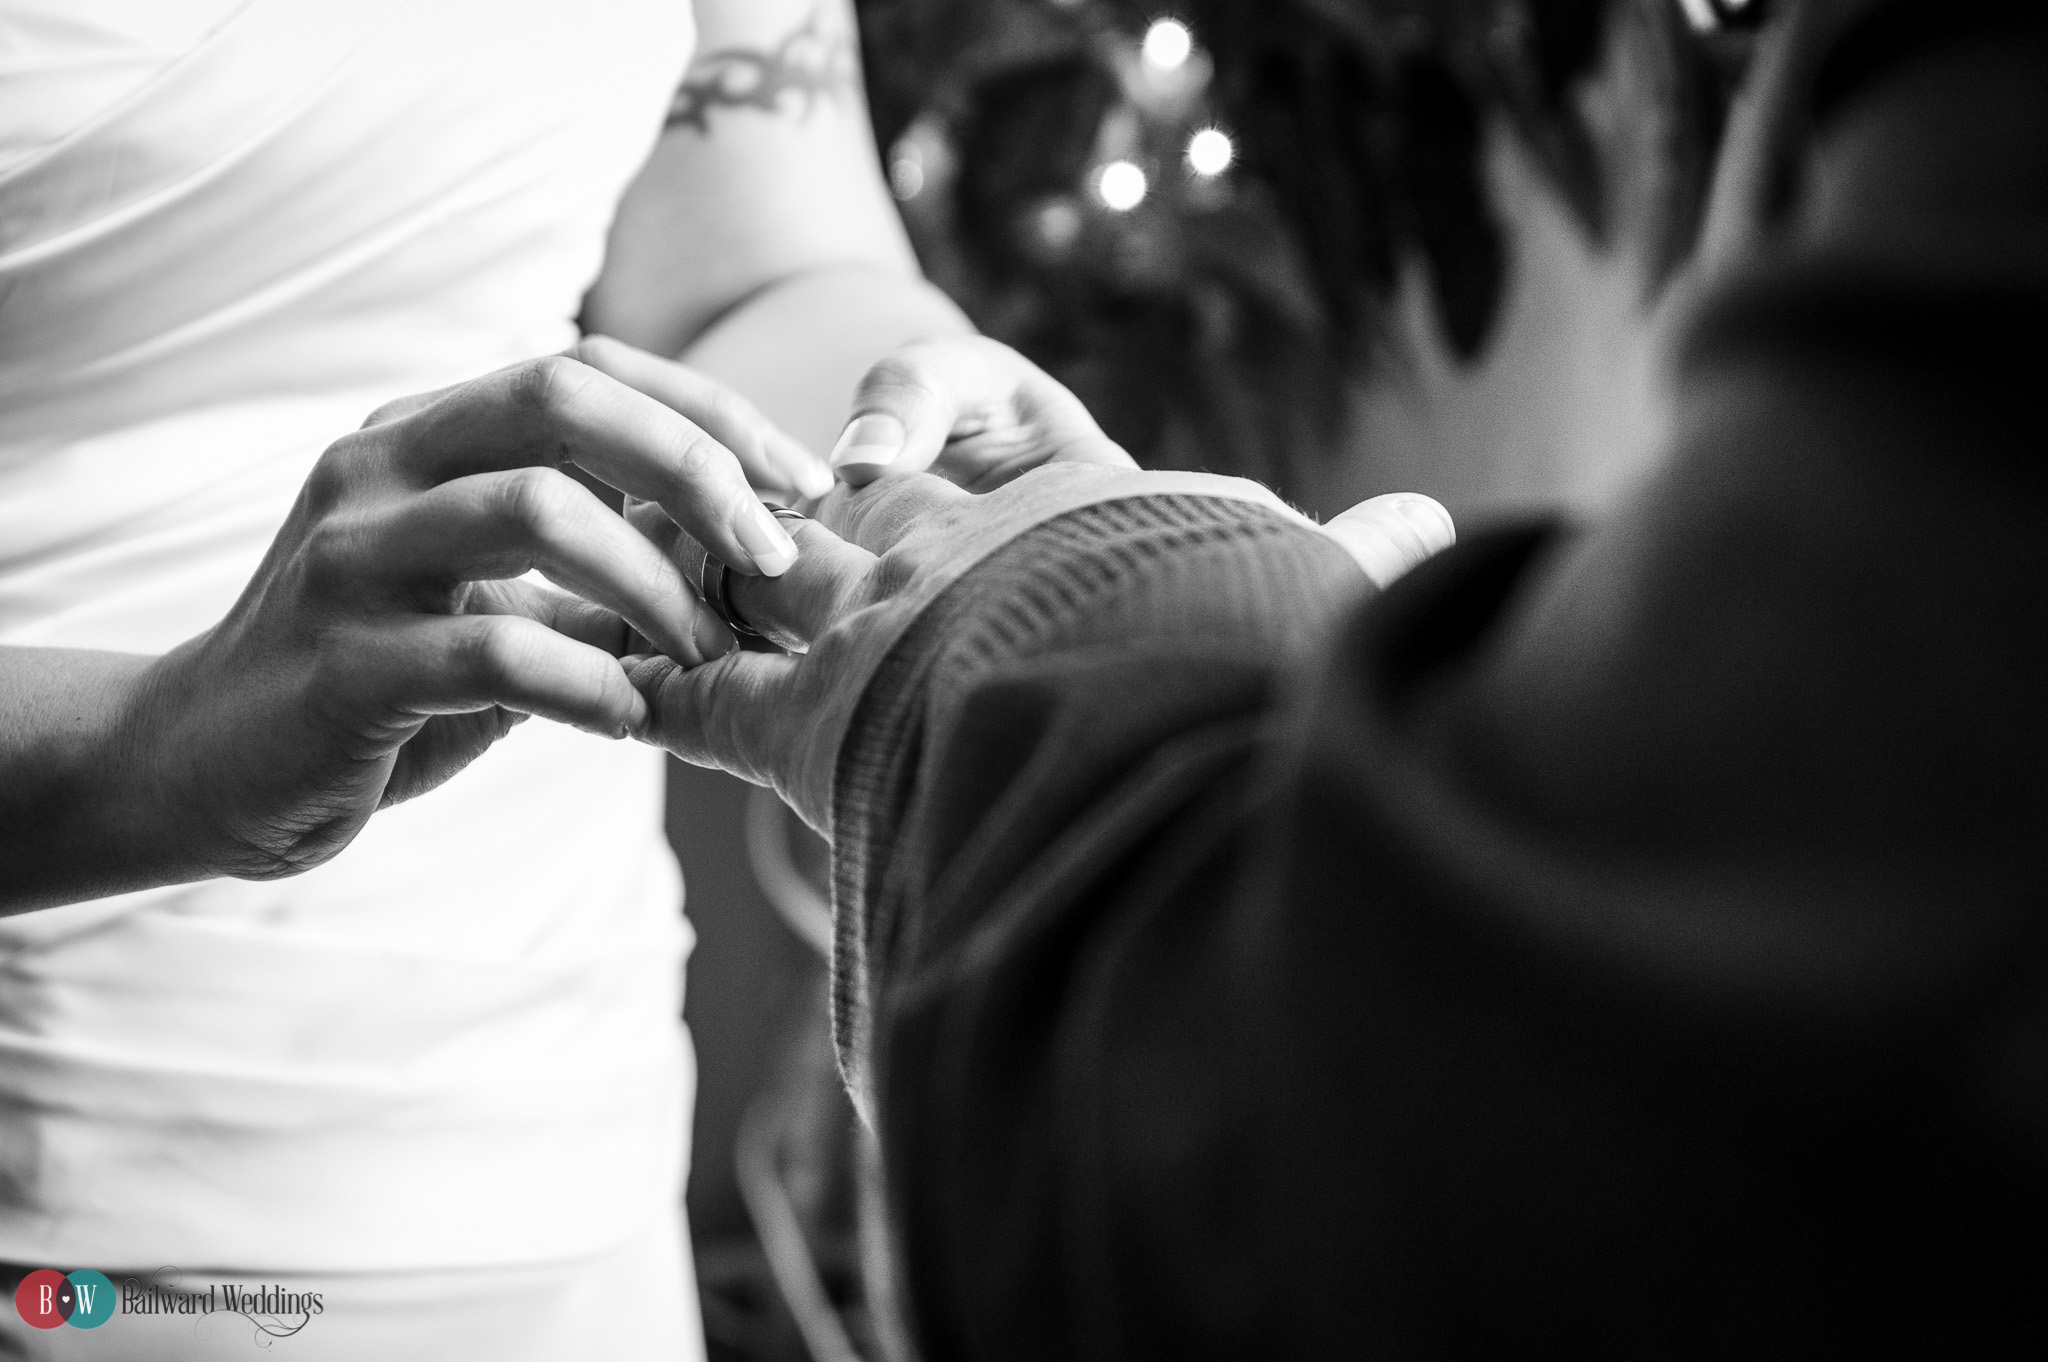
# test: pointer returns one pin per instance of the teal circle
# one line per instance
(92, 1299)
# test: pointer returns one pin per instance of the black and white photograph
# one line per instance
(1023, 680)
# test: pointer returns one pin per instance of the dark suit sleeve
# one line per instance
(1619, 944)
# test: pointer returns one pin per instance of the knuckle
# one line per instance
(654, 525)
(492, 651)
(882, 508)
(659, 686)
(334, 475)
(548, 383)
(697, 458)
(330, 552)
(538, 500)
(389, 411)
(592, 349)
(893, 574)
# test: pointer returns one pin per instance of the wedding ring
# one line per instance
(712, 581)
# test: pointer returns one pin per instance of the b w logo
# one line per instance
(47, 1298)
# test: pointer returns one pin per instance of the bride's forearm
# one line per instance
(80, 812)
(797, 347)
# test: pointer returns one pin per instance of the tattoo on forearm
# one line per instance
(812, 63)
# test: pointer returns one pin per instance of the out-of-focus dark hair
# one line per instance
(1217, 321)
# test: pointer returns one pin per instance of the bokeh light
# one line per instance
(1121, 185)
(1168, 44)
(1057, 226)
(1210, 152)
(1701, 13)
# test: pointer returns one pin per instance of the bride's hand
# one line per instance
(977, 413)
(969, 409)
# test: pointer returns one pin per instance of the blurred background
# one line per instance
(1341, 246)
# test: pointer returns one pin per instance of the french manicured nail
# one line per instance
(870, 442)
(764, 539)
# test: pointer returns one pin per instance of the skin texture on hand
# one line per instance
(982, 419)
(872, 561)
(388, 639)
(977, 413)
(970, 409)
(388, 609)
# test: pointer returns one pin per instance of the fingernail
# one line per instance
(764, 539)
(1432, 520)
(869, 442)
(813, 479)
(711, 636)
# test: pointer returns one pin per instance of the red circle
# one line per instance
(43, 1298)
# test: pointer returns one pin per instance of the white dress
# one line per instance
(228, 230)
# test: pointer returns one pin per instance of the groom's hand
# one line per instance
(862, 575)
(882, 546)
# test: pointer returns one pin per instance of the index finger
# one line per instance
(554, 410)
(770, 457)
(791, 610)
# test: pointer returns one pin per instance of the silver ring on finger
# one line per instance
(713, 582)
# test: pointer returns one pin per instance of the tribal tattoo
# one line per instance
(810, 64)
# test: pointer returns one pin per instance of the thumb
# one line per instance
(904, 410)
(1388, 535)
